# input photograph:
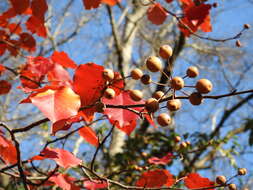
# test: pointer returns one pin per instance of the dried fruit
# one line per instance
(242, 171)
(154, 64)
(158, 95)
(108, 74)
(152, 105)
(192, 72)
(221, 180)
(109, 93)
(204, 86)
(177, 83)
(100, 107)
(238, 43)
(146, 79)
(135, 95)
(163, 119)
(183, 145)
(232, 186)
(174, 104)
(136, 74)
(246, 26)
(196, 98)
(165, 51)
(177, 139)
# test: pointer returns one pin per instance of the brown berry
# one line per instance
(174, 104)
(152, 105)
(163, 119)
(242, 171)
(188, 143)
(183, 145)
(196, 98)
(215, 4)
(192, 72)
(146, 79)
(109, 93)
(165, 51)
(177, 83)
(232, 186)
(177, 139)
(108, 74)
(144, 154)
(154, 64)
(158, 95)
(238, 43)
(136, 95)
(246, 26)
(136, 74)
(100, 107)
(221, 180)
(204, 86)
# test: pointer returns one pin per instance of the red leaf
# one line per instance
(63, 59)
(14, 28)
(4, 87)
(64, 181)
(91, 4)
(111, 2)
(195, 181)
(95, 184)
(20, 6)
(52, 102)
(124, 119)
(35, 25)
(156, 14)
(89, 135)
(62, 157)
(39, 8)
(156, 178)
(168, 1)
(2, 69)
(161, 161)
(7, 150)
(27, 42)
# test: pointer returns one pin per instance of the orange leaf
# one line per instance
(7, 151)
(156, 14)
(89, 135)
(111, 2)
(195, 181)
(63, 59)
(2, 69)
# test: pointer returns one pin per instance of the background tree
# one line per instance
(39, 41)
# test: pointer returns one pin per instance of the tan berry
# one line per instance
(192, 72)
(100, 107)
(188, 143)
(165, 51)
(177, 83)
(163, 119)
(183, 145)
(146, 79)
(158, 95)
(109, 93)
(136, 74)
(108, 74)
(177, 139)
(174, 104)
(154, 64)
(246, 26)
(152, 105)
(196, 98)
(136, 95)
(242, 171)
(221, 180)
(204, 86)
(144, 154)
(232, 186)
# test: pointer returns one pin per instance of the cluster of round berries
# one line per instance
(154, 64)
(221, 180)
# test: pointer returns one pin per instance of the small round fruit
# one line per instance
(163, 119)
(152, 105)
(144, 154)
(192, 72)
(242, 171)
(204, 86)
(177, 139)
(109, 93)
(136, 74)
(183, 145)
(108, 74)
(196, 98)
(232, 186)
(221, 180)
(136, 95)
(177, 83)
(146, 79)
(238, 43)
(165, 51)
(154, 64)
(100, 107)
(174, 104)
(158, 95)
(246, 26)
